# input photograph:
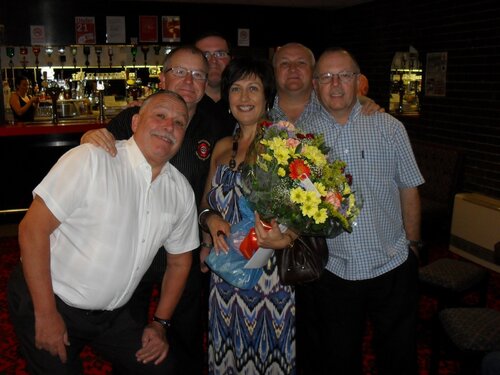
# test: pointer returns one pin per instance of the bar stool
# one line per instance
(467, 332)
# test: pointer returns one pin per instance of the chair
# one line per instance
(467, 332)
(451, 280)
(442, 167)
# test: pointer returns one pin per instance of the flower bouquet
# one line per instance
(289, 177)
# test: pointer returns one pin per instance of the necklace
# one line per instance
(236, 137)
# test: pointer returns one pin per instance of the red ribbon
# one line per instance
(249, 245)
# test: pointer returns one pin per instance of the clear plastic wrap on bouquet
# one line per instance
(230, 266)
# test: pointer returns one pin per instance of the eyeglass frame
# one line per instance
(347, 77)
(223, 54)
(187, 71)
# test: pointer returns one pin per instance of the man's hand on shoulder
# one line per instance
(135, 103)
(100, 138)
(368, 106)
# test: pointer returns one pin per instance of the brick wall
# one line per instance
(468, 117)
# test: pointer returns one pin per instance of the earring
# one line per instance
(229, 111)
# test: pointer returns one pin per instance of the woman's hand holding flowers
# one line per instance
(271, 238)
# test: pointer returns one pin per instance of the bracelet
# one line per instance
(292, 241)
(164, 322)
(202, 218)
(207, 245)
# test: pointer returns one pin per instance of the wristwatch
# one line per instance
(164, 322)
(416, 244)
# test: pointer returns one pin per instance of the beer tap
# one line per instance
(86, 52)
(98, 51)
(10, 54)
(110, 54)
(36, 52)
(48, 51)
(74, 52)
(53, 90)
(23, 51)
(133, 50)
(62, 58)
(145, 50)
(157, 53)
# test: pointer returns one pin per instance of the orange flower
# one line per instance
(334, 198)
(299, 169)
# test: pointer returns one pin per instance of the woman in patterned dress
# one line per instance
(250, 331)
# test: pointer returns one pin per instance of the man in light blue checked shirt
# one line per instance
(371, 272)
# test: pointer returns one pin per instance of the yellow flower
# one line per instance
(311, 197)
(309, 209)
(262, 165)
(281, 172)
(297, 195)
(282, 155)
(321, 188)
(266, 157)
(320, 216)
(314, 155)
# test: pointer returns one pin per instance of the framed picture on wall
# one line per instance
(171, 29)
(85, 30)
(115, 29)
(148, 29)
(435, 74)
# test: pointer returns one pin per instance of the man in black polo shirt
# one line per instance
(185, 72)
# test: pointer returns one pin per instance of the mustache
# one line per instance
(337, 92)
(166, 136)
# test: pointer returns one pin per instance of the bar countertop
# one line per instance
(41, 128)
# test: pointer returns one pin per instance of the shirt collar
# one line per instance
(137, 159)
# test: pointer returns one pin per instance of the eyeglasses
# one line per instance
(216, 54)
(181, 72)
(344, 77)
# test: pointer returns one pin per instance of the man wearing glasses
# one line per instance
(185, 71)
(371, 272)
(215, 47)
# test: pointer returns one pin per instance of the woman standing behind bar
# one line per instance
(250, 331)
(23, 106)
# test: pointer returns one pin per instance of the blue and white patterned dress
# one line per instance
(250, 331)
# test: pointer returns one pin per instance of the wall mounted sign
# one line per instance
(148, 29)
(171, 29)
(435, 74)
(85, 30)
(243, 37)
(115, 29)
(37, 34)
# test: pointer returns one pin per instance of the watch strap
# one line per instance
(164, 322)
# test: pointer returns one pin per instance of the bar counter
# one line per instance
(40, 128)
(28, 151)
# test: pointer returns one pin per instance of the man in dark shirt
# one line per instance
(216, 49)
(185, 72)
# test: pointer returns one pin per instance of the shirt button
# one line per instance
(346, 151)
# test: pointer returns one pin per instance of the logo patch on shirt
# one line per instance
(203, 150)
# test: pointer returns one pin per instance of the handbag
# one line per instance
(302, 262)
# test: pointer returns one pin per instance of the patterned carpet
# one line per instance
(12, 364)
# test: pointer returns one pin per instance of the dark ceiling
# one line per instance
(324, 4)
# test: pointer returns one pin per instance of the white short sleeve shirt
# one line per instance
(113, 221)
